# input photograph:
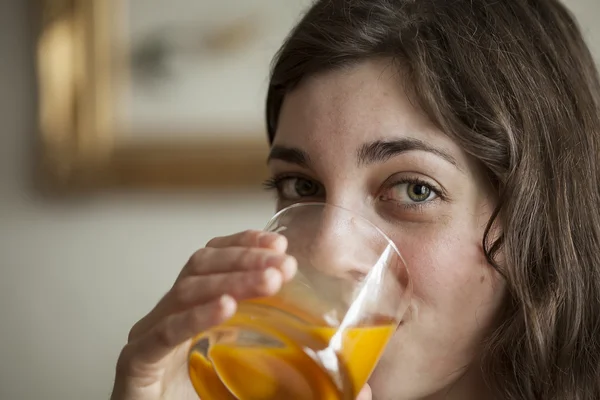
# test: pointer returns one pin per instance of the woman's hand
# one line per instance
(153, 364)
(365, 394)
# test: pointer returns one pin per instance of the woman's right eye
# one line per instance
(295, 188)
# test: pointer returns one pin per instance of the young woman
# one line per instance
(470, 131)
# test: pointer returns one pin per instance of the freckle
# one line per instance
(482, 278)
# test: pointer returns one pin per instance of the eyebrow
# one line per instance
(289, 155)
(380, 151)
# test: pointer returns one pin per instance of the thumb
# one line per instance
(365, 393)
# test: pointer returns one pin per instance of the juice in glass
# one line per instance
(285, 353)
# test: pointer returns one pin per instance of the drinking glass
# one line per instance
(321, 335)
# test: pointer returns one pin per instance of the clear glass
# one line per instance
(321, 336)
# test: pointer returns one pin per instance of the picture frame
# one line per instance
(121, 91)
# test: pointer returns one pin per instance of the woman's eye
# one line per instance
(409, 192)
(297, 188)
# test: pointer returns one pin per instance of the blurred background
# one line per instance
(76, 272)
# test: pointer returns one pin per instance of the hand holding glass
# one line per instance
(321, 336)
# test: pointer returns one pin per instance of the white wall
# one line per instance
(74, 276)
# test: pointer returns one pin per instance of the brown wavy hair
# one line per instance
(514, 83)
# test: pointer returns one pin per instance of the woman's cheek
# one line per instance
(443, 263)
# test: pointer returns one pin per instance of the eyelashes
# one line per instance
(294, 187)
(405, 191)
(422, 190)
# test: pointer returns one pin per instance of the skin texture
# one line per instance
(328, 120)
(319, 154)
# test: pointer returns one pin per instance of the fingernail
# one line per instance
(270, 273)
(228, 305)
(288, 267)
(272, 279)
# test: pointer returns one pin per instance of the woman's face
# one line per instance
(353, 138)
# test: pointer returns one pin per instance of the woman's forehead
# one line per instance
(349, 111)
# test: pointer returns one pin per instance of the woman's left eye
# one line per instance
(296, 188)
(411, 192)
(293, 188)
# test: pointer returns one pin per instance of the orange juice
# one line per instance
(270, 350)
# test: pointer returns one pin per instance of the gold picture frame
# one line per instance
(81, 143)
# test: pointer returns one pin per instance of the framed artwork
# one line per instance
(156, 93)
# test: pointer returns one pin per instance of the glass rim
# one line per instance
(354, 213)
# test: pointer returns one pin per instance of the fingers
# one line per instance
(196, 290)
(173, 331)
(365, 393)
(266, 240)
(205, 277)
(247, 255)
(219, 260)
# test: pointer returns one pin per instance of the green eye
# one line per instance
(418, 192)
(411, 193)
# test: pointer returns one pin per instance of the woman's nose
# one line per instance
(335, 242)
